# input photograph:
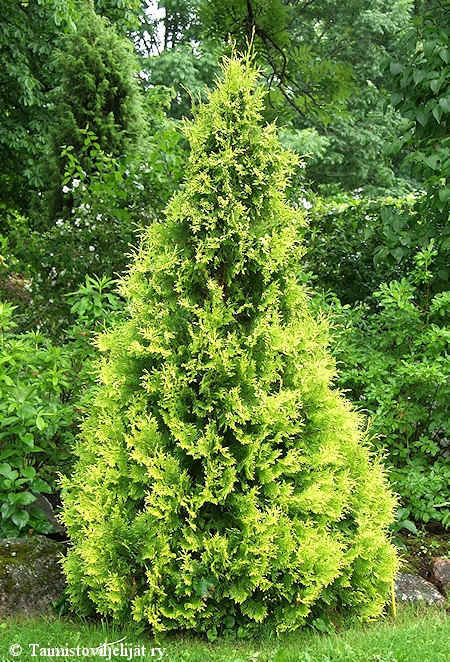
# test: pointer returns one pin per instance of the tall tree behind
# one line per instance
(421, 92)
(28, 34)
(362, 34)
(179, 58)
(321, 61)
(299, 77)
(98, 89)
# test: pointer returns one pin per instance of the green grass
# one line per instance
(416, 636)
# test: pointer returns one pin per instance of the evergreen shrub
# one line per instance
(221, 481)
(97, 88)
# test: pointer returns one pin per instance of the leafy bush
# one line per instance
(355, 244)
(395, 363)
(42, 386)
(221, 482)
(421, 94)
(108, 207)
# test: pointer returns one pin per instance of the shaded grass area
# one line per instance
(417, 635)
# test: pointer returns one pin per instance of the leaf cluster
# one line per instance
(42, 386)
(422, 94)
(356, 243)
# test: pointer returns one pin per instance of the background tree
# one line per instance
(322, 64)
(306, 82)
(28, 34)
(178, 57)
(97, 90)
(362, 34)
(422, 95)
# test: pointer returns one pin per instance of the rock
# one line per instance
(440, 574)
(45, 505)
(412, 588)
(30, 575)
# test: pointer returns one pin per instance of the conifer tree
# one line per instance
(97, 89)
(221, 480)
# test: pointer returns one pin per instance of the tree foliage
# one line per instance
(221, 481)
(356, 243)
(395, 363)
(28, 34)
(309, 81)
(97, 90)
(422, 95)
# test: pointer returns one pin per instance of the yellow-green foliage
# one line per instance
(221, 480)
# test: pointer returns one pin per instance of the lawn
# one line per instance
(417, 635)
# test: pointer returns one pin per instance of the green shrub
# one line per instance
(395, 363)
(121, 195)
(96, 86)
(42, 386)
(221, 481)
(355, 244)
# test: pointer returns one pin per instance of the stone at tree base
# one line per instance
(45, 505)
(31, 578)
(440, 574)
(412, 588)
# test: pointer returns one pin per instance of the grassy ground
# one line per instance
(415, 636)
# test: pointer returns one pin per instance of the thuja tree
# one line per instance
(221, 480)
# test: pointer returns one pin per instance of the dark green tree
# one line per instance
(221, 480)
(362, 36)
(422, 94)
(28, 33)
(97, 89)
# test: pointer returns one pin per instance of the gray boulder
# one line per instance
(31, 578)
(412, 588)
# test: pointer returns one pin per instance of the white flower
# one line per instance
(75, 183)
(306, 204)
(65, 189)
(92, 248)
